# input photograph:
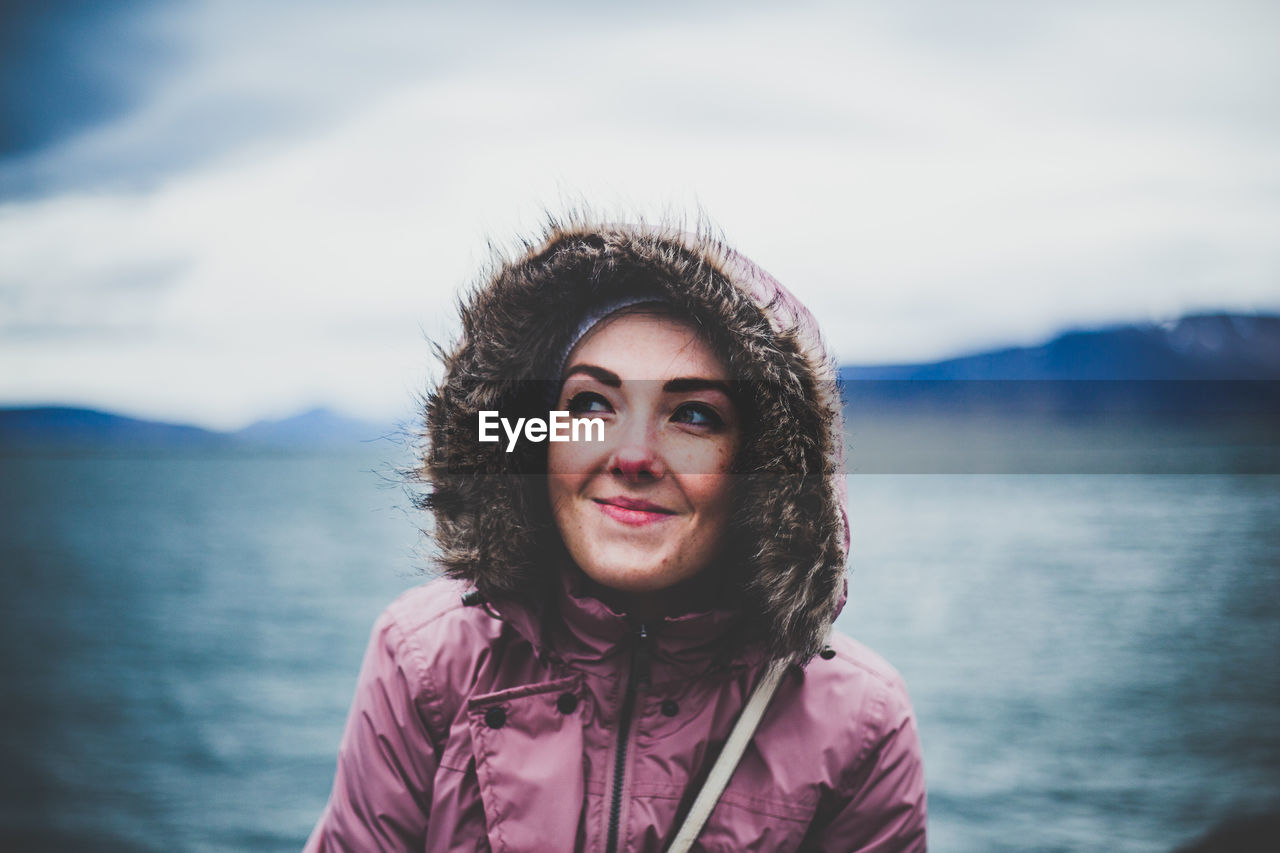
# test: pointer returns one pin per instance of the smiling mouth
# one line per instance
(634, 512)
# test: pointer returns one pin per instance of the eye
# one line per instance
(588, 403)
(697, 414)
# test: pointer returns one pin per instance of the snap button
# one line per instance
(566, 703)
(827, 653)
(495, 718)
(670, 708)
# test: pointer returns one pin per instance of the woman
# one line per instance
(611, 602)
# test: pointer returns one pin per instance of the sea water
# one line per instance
(1092, 657)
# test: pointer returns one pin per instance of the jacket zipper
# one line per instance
(638, 674)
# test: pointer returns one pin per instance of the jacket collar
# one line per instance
(578, 629)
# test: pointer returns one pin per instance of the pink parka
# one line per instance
(505, 707)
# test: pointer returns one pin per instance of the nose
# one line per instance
(636, 458)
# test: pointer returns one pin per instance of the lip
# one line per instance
(633, 511)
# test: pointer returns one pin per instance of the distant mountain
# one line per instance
(1198, 347)
(1210, 365)
(66, 427)
(316, 427)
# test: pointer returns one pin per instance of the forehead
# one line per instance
(638, 345)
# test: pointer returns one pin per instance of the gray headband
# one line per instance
(594, 316)
(598, 313)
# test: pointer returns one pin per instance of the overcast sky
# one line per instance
(220, 211)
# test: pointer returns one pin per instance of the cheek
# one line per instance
(712, 494)
(567, 473)
(717, 489)
(711, 459)
(709, 483)
(698, 457)
(568, 459)
(560, 490)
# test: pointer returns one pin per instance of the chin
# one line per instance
(632, 575)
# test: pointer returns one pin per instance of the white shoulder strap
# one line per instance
(728, 759)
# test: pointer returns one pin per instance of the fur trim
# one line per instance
(493, 528)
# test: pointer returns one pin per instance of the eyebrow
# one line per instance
(683, 385)
(604, 377)
(679, 385)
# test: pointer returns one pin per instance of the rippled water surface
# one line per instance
(1093, 658)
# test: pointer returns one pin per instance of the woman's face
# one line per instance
(648, 507)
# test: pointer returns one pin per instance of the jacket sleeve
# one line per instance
(882, 808)
(386, 764)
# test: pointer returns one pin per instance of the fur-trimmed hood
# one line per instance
(492, 527)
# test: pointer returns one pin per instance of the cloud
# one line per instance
(923, 192)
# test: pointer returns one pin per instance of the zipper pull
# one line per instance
(642, 654)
